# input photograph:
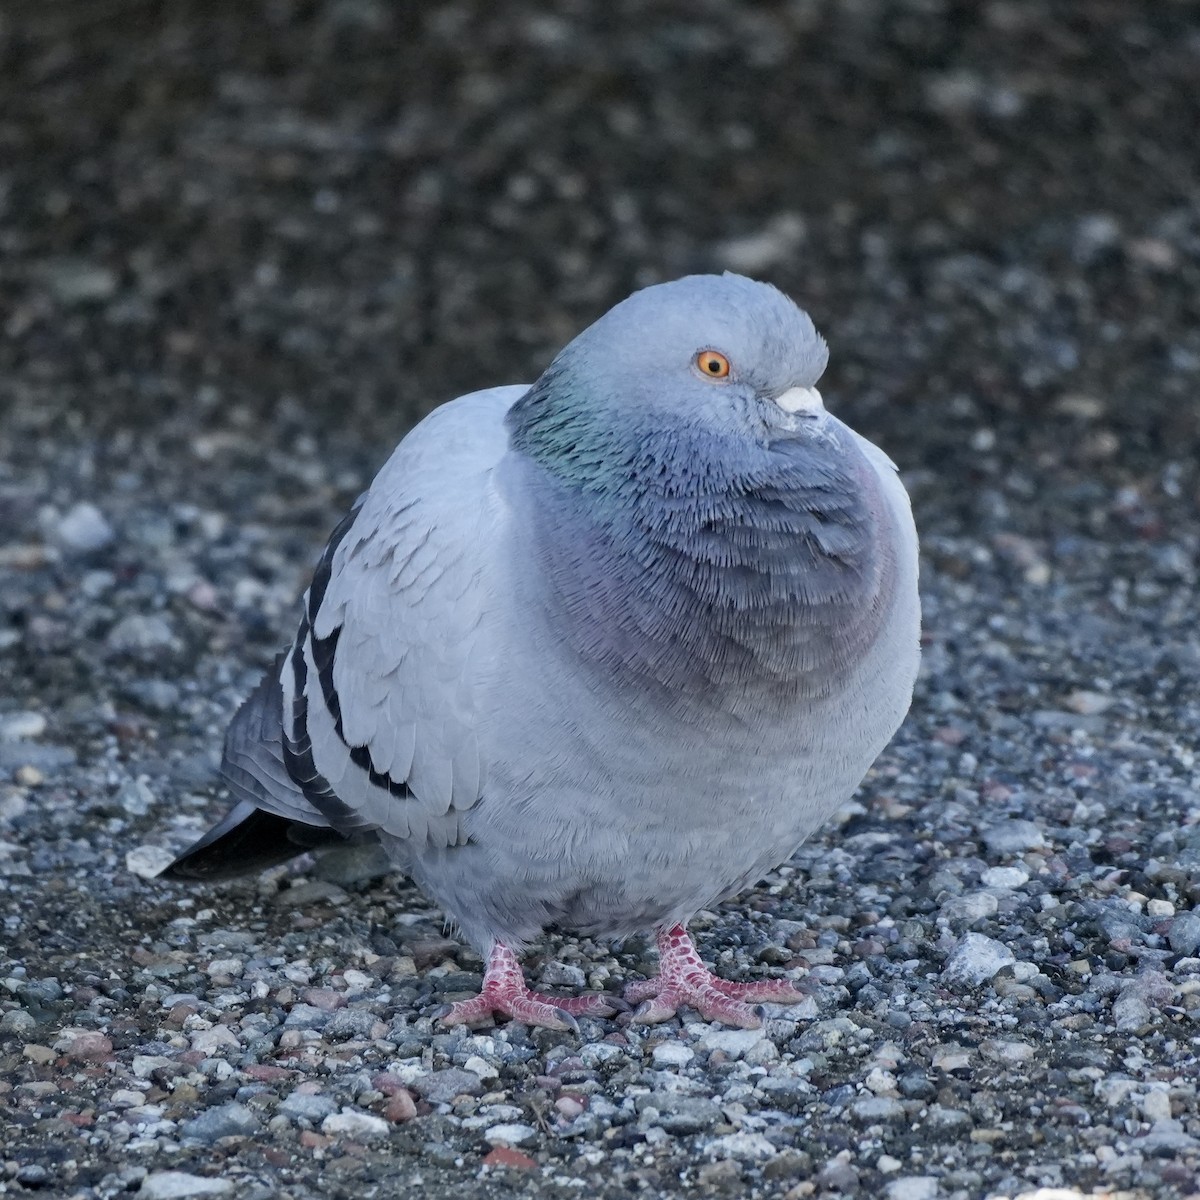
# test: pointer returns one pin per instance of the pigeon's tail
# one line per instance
(249, 839)
(271, 821)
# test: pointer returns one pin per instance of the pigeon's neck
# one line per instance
(713, 570)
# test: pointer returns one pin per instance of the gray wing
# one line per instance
(377, 693)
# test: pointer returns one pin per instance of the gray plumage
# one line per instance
(599, 652)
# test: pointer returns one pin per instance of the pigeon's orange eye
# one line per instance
(713, 364)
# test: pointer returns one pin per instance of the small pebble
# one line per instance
(1004, 877)
(148, 861)
(1184, 934)
(224, 1120)
(511, 1135)
(350, 1123)
(141, 637)
(735, 1043)
(672, 1054)
(179, 1185)
(912, 1187)
(975, 959)
(745, 1147)
(308, 1107)
(17, 725)
(400, 1107)
(874, 1110)
(1013, 837)
(440, 1087)
(83, 529)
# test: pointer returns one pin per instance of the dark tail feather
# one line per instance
(249, 839)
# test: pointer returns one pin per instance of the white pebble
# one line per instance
(912, 1187)
(481, 1067)
(511, 1135)
(745, 1147)
(594, 1053)
(672, 1054)
(18, 725)
(951, 1057)
(1114, 1091)
(970, 907)
(83, 529)
(975, 960)
(1005, 877)
(882, 1083)
(737, 1043)
(1010, 1052)
(1156, 1106)
(148, 861)
(1088, 704)
(144, 1064)
(354, 1124)
(217, 1038)
(179, 1185)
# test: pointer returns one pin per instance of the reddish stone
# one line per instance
(400, 1108)
(326, 999)
(505, 1156)
(868, 947)
(267, 1073)
(178, 1015)
(311, 1140)
(950, 735)
(90, 1047)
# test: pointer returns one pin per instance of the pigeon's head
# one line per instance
(716, 355)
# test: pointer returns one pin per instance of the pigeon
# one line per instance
(598, 652)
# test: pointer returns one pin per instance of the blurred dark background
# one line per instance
(284, 216)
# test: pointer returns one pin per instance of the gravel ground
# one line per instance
(243, 247)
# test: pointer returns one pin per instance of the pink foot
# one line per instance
(684, 979)
(506, 993)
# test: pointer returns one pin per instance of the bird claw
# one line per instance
(684, 980)
(568, 1021)
(505, 993)
(708, 1002)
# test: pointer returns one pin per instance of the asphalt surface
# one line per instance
(243, 247)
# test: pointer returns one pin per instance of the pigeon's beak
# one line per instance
(801, 401)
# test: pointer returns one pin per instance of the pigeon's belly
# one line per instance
(606, 810)
(602, 816)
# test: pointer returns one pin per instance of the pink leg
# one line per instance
(684, 979)
(505, 992)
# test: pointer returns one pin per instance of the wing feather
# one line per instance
(383, 693)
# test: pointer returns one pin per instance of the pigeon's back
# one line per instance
(367, 725)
